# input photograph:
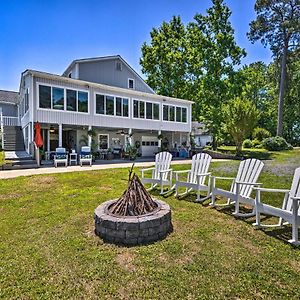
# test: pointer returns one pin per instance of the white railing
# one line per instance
(11, 121)
(1, 129)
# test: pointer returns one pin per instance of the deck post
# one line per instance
(130, 136)
(60, 135)
(48, 140)
(159, 140)
(89, 137)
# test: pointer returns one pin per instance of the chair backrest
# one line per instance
(86, 149)
(249, 171)
(60, 150)
(200, 165)
(295, 190)
(162, 163)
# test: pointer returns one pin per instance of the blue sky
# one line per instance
(48, 35)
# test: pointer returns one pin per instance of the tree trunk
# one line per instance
(281, 91)
(214, 143)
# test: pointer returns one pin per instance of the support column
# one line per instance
(159, 140)
(48, 140)
(60, 135)
(130, 136)
(89, 137)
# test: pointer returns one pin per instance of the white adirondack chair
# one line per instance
(85, 156)
(161, 172)
(195, 177)
(241, 187)
(60, 157)
(289, 211)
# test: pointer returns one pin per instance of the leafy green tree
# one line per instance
(163, 61)
(241, 118)
(212, 57)
(277, 25)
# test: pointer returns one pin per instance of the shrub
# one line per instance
(247, 144)
(276, 143)
(261, 133)
(256, 143)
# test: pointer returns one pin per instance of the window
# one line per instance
(118, 106)
(103, 141)
(71, 100)
(155, 111)
(110, 105)
(149, 110)
(100, 104)
(82, 101)
(26, 101)
(130, 83)
(45, 96)
(125, 107)
(174, 113)
(135, 108)
(58, 98)
(142, 109)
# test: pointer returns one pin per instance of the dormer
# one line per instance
(109, 70)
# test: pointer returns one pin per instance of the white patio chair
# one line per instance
(161, 172)
(241, 187)
(60, 157)
(196, 177)
(289, 211)
(85, 156)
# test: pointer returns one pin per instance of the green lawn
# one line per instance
(48, 248)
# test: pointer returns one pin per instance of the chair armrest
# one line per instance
(248, 183)
(271, 190)
(203, 174)
(165, 171)
(224, 178)
(296, 198)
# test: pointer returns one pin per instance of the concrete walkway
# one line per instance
(52, 170)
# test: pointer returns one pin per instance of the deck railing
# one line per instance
(10, 121)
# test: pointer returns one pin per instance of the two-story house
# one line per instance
(104, 95)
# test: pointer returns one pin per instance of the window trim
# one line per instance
(133, 84)
(38, 83)
(175, 114)
(146, 101)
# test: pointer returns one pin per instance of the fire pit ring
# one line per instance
(133, 230)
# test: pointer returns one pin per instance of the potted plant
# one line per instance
(109, 155)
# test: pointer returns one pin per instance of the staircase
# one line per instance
(13, 138)
(15, 155)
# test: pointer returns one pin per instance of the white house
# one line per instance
(104, 94)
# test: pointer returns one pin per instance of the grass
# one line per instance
(48, 248)
(2, 161)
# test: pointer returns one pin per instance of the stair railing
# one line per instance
(1, 129)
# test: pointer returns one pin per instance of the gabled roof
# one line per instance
(9, 97)
(101, 58)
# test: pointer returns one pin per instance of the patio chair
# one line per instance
(60, 157)
(196, 177)
(241, 187)
(161, 172)
(289, 211)
(85, 156)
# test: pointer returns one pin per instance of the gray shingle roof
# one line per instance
(9, 96)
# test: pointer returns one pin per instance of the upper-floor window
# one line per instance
(111, 105)
(148, 110)
(51, 97)
(130, 83)
(174, 113)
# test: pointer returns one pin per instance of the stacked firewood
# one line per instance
(135, 201)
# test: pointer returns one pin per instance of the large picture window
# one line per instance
(54, 98)
(45, 96)
(174, 113)
(110, 105)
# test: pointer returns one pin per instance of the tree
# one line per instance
(277, 25)
(212, 56)
(164, 60)
(241, 118)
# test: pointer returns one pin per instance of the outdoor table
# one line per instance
(73, 158)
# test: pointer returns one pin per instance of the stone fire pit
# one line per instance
(133, 219)
(133, 230)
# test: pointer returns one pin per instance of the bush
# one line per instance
(261, 133)
(247, 144)
(276, 143)
(256, 143)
